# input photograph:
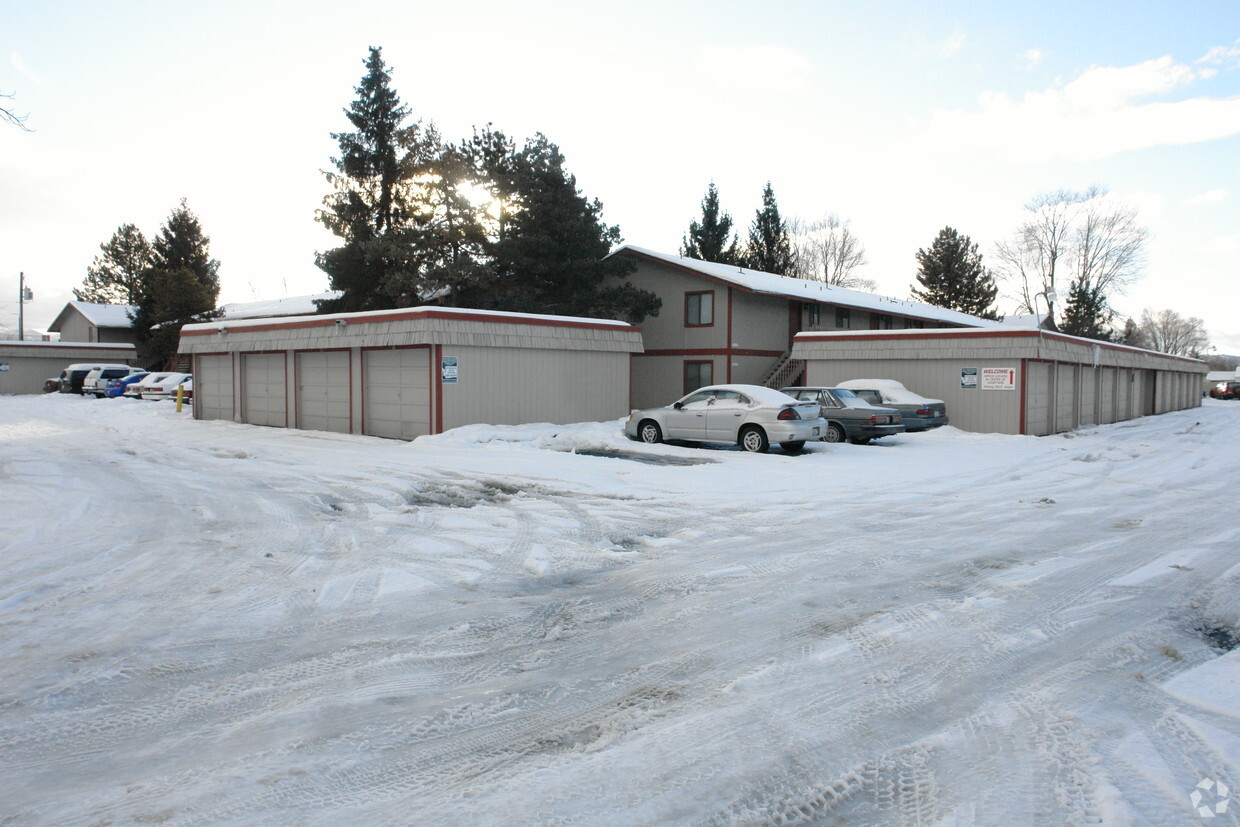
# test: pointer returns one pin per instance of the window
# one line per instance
(812, 316)
(843, 318)
(916, 323)
(880, 321)
(700, 309)
(698, 375)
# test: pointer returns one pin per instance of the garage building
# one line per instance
(24, 366)
(1010, 381)
(409, 372)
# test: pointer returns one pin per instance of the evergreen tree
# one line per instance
(770, 246)
(372, 209)
(1086, 313)
(168, 299)
(550, 254)
(1131, 334)
(181, 285)
(952, 276)
(115, 276)
(181, 244)
(712, 239)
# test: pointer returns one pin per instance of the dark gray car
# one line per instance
(849, 416)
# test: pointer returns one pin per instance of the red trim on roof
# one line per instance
(70, 345)
(984, 333)
(422, 313)
(712, 351)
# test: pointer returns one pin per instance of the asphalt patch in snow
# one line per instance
(649, 459)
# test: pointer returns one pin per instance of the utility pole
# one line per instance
(24, 294)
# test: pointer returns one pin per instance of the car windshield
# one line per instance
(844, 393)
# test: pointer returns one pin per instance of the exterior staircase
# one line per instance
(783, 372)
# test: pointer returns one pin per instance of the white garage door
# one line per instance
(213, 387)
(398, 392)
(323, 391)
(263, 397)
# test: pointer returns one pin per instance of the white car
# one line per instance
(135, 390)
(750, 416)
(162, 388)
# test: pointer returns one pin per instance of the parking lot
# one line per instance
(208, 621)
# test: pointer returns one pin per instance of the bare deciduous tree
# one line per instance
(1079, 242)
(1168, 332)
(7, 114)
(826, 250)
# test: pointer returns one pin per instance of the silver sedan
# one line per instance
(750, 416)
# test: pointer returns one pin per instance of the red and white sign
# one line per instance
(998, 379)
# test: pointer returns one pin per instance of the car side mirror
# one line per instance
(678, 405)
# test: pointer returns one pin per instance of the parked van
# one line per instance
(72, 376)
(96, 382)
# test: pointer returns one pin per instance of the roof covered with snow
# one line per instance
(287, 306)
(100, 315)
(462, 313)
(807, 291)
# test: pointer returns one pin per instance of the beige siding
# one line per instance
(31, 363)
(659, 380)
(77, 329)
(555, 386)
(760, 322)
(991, 411)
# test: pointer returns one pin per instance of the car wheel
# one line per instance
(649, 432)
(834, 433)
(753, 439)
(793, 447)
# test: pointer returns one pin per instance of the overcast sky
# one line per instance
(903, 117)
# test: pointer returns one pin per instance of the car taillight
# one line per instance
(926, 412)
(788, 413)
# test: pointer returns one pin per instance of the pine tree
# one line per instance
(952, 276)
(770, 246)
(181, 245)
(181, 285)
(550, 253)
(712, 239)
(371, 209)
(1086, 313)
(114, 277)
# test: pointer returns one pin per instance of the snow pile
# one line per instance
(212, 622)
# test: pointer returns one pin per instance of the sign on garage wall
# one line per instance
(968, 379)
(447, 369)
(998, 379)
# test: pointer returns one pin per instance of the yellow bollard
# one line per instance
(180, 396)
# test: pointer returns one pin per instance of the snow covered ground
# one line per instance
(210, 622)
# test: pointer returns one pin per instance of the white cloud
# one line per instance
(952, 44)
(1032, 57)
(1205, 198)
(755, 68)
(1223, 55)
(1102, 112)
(26, 71)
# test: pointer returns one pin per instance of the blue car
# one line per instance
(116, 387)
